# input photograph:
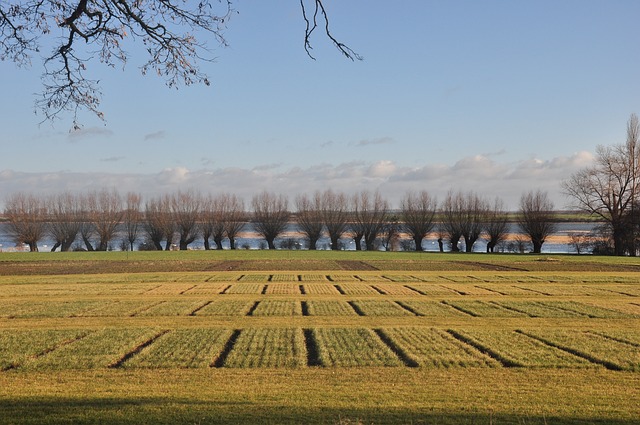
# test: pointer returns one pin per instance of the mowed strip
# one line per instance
(351, 347)
(429, 347)
(182, 348)
(100, 349)
(268, 348)
(514, 349)
(20, 346)
(613, 353)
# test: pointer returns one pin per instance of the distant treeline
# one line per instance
(91, 220)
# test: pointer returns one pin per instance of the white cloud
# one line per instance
(477, 173)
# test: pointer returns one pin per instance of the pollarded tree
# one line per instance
(309, 217)
(418, 215)
(27, 217)
(173, 33)
(496, 226)
(65, 219)
(185, 211)
(223, 217)
(463, 216)
(106, 214)
(270, 215)
(335, 216)
(158, 222)
(369, 215)
(132, 218)
(536, 218)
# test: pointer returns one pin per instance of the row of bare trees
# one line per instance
(93, 220)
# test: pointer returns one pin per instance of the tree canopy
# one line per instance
(174, 34)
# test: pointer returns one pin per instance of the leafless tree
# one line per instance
(211, 225)
(463, 216)
(132, 218)
(418, 214)
(536, 218)
(185, 209)
(158, 222)
(27, 217)
(234, 217)
(608, 189)
(173, 33)
(496, 226)
(309, 217)
(270, 215)
(370, 214)
(223, 217)
(65, 219)
(335, 215)
(105, 214)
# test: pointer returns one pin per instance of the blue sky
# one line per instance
(498, 97)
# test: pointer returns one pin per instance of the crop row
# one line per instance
(284, 307)
(336, 287)
(329, 347)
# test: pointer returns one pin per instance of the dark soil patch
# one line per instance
(356, 266)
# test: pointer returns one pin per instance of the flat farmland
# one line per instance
(304, 337)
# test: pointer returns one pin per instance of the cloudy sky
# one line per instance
(498, 97)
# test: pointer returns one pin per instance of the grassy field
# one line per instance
(318, 337)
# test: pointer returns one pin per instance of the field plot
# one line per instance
(171, 289)
(255, 278)
(429, 347)
(478, 308)
(182, 348)
(313, 277)
(265, 347)
(225, 308)
(329, 308)
(431, 289)
(539, 309)
(278, 308)
(320, 289)
(282, 289)
(206, 289)
(402, 278)
(224, 278)
(283, 278)
(503, 289)
(432, 308)
(352, 347)
(356, 289)
(173, 308)
(467, 289)
(611, 353)
(18, 347)
(104, 348)
(394, 289)
(245, 288)
(53, 308)
(513, 349)
(379, 308)
(122, 308)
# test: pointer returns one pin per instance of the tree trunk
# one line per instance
(537, 247)
(218, 242)
(418, 241)
(358, 242)
(55, 246)
(335, 243)
(207, 247)
(270, 243)
(232, 243)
